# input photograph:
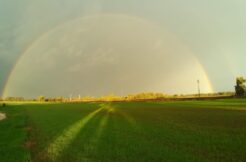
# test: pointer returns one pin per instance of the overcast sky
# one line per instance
(94, 47)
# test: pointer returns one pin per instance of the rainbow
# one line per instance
(45, 34)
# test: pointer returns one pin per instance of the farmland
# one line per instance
(125, 131)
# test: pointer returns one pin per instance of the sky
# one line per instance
(99, 47)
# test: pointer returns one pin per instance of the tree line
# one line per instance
(132, 97)
(240, 91)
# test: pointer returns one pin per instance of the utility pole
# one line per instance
(198, 88)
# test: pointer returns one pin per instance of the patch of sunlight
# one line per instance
(129, 119)
(26, 103)
(94, 140)
(2, 116)
(102, 125)
(108, 107)
(64, 140)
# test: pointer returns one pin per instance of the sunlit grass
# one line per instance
(55, 149)
(13, 136)
(63, 141)
(93, 141)
(132, 131)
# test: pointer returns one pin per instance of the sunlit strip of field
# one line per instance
(61, 142)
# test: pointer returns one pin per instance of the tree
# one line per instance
(41, 98)
(240, 88)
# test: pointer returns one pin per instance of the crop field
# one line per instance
(124, 131)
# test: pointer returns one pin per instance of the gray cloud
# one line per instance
(212, 30)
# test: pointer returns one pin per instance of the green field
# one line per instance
(131, 131)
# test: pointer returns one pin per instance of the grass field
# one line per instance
(131, 131)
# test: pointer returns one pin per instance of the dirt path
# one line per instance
(2, 116)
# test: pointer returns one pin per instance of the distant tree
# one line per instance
(41, 98)
(240, 88)
(59, 99)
